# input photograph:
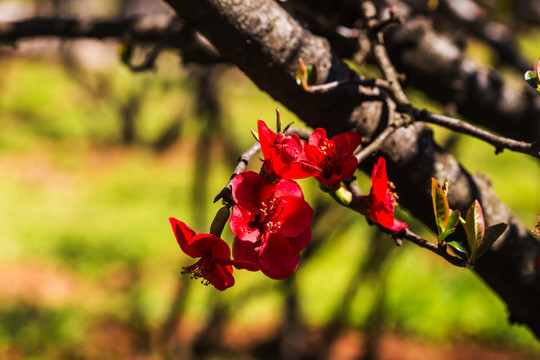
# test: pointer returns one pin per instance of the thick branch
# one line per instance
(436, 65)
(265, 42)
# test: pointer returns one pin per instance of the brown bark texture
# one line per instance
(265, 42)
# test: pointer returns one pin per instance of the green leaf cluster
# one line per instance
(479, 238)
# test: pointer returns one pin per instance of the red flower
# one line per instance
(284, 156)
(335, 156)
(215, 261)
(379, 205)
(271, 223)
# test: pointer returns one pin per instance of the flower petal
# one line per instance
(348, 167)
(398, 225)
(239, 224)
(245, 256)
(302, 240)
(266, 137)
(278, 259)
(288, 188)
(317, 137)
(295, 217)
(249, 190)
(222, 277)
(379, 179)
(383, 218)
(184, 235)
(347, 142)
(298, 170)
(204, 243)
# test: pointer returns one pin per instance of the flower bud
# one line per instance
(219, 221)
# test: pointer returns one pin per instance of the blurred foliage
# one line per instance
(72, 196)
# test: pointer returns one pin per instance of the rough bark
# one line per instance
(437, 66)
(265, 42)
(432, 61)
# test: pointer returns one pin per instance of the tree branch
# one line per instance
(434, 248)
(463, 127)
(266, 43)
(194, 47)
(437, 66)
(243, 160)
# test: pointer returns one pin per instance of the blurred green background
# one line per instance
(93, 162)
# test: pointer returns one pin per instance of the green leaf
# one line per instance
(445, 234)
(453, 220)
(492, 234)
(451, 226)
(311, 74)
(440, 206)
(532, 78)
(456, 245)
(474, 228)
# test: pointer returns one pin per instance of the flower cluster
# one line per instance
(270, 218)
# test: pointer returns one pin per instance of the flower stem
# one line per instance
(342, 196)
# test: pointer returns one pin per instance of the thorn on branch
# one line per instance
(243, 160)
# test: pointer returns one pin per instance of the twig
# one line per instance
(375, 144)
(74, 28)
(150, 58)
(439, 250)
(384, 85)
(243, 160)
(140, 30)
(375, 28)
(407, 234)
(463, 127)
